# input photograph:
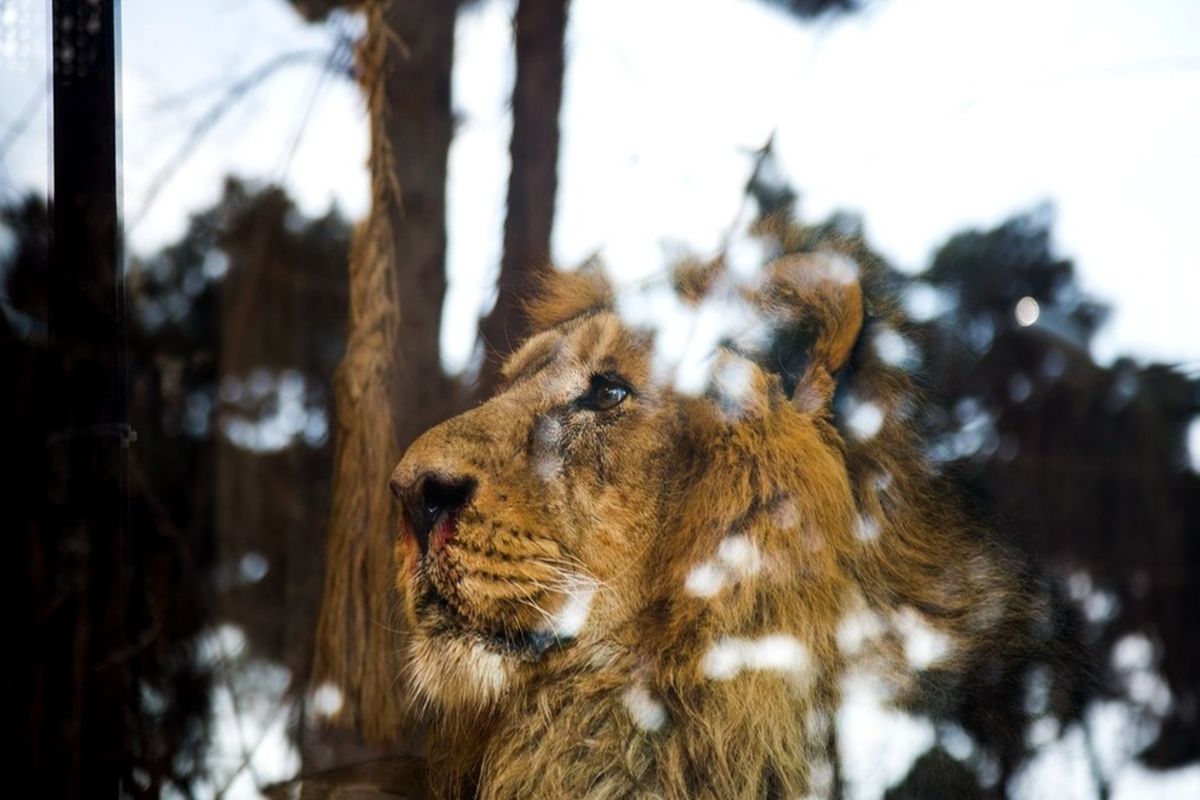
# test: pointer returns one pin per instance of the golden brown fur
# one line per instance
(662, 598)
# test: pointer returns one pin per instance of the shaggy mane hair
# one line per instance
(618, 586)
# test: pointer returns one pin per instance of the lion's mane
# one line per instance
(751, 547)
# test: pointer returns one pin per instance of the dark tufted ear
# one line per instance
(564, 295)
(815, 303)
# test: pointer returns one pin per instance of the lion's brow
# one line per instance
(601, 343)
(537, 353)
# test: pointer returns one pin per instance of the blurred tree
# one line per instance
(808, 9)
(282, 316)
(533, 183)
(317, 10)
(1084, 466)
(235, 330)
(936, 774)
(23, 267)
(173, 356)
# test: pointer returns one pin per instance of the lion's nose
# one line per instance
(430, 499)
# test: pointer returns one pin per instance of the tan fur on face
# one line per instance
(701, 571)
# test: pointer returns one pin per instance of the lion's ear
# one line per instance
(816, 304)
(561, 296)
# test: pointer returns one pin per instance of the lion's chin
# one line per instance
(455, 664)
(458, 671)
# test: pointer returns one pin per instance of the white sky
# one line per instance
(926, 116)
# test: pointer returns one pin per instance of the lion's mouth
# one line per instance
(527, 645)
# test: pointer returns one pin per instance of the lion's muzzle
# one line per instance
(431, 504)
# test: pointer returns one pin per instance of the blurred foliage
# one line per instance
(936, 774)
(807, 9)
(990, 271)
(1083, 466)
(317, 10)
(22, 276)
(179, 306)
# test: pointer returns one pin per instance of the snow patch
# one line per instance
(878, 743)
(923, 302)
(1065, 767)
(895, 349)
(739, 554)
(569, 620)
(326, 700)
(866, 528)
(745, 254)
(649, 714)
(1037, 690)
(737, 558)
(865, 419)
(786, 514)
(923, 644)
(733, 383)
(1133, 659)
(839, 268)
(857, 629)
(547, 432)
(729, 656)
(705, 580)
(687, 338)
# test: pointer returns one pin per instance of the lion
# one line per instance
(617, 587)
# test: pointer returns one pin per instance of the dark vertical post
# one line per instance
(85, 628)
(540, 27)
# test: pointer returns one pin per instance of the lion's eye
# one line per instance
(603, 393)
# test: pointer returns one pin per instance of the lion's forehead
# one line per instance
(572, 351)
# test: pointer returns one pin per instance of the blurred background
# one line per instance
(1027, 169)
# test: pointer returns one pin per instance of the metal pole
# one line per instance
(83, 731)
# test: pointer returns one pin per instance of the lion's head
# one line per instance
(621, 579)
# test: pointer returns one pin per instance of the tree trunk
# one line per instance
(390, 386)
(537, 97)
